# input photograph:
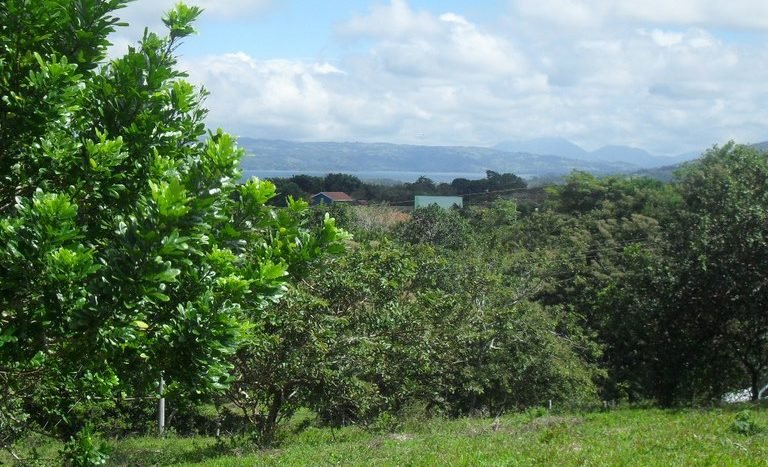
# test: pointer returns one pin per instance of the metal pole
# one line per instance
(161, 408)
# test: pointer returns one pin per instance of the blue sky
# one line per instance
(666, 76)
(291, 28)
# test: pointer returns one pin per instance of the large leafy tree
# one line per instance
(601, 248)
(720, 247)
(437, 226)
(128, 249)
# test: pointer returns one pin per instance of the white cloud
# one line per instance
(663, 73)
(293, 99)
(590, 13)
(571, 13)
(142, 14)
(666, 39)
(468, 47)
(598, 72)
(434, 76)
(392, 21)
(416, 43)
(710, 13)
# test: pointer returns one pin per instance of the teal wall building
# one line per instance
(445, 202)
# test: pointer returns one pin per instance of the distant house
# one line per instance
(445, 202)
(330, 197)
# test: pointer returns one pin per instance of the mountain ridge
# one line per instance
(612, 153)
(358, 157)
(269, 154)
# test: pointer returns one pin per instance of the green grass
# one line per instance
(621, 437)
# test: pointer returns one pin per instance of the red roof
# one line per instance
(335, 195)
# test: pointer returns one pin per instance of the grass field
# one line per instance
(620, 437)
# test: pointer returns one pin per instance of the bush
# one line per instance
(437, 226)
(744, 424)
(85, 449)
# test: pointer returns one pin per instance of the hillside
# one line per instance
(613, 153)
(667, 173)
(664, 174)
(555, 146)
(382, 157)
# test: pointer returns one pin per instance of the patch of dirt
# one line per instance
(401, 437)
(551, 421)
(378, 442)
(540, 423)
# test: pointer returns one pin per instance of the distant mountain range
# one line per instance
(273, 155)
(542, 157)
(667, 173)
(623, 154)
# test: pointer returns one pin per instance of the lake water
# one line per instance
(370, 175)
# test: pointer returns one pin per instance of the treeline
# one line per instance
(619, 289)
(402, 194)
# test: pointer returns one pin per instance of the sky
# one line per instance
(668, 76)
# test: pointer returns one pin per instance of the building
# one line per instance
(330, 197)
(445, 202)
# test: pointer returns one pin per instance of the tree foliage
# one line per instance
(437, 226)
(720, 248)
(128, 248)
(389, 326)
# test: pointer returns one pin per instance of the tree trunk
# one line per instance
(270, 423)
(755, 375)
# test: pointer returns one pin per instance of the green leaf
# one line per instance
(6, 336)
(38, 360)
(270, 271)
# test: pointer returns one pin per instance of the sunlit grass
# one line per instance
(620, 437)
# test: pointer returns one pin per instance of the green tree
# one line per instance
(437, 226)
(286, 189)
(308, 183)
(492, 348)
(127, 248)
(423, 186)
(387, 327)
(617, 196)
(341, 182)
(285, 361)
(720, 247)
(601, 256)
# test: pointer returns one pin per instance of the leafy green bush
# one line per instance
(128, 247)
(745, 424)
(85, 449)
(437, 226)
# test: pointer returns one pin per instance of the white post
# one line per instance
(161, 407)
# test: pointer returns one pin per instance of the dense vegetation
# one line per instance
(129, 253)
(400, 194)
